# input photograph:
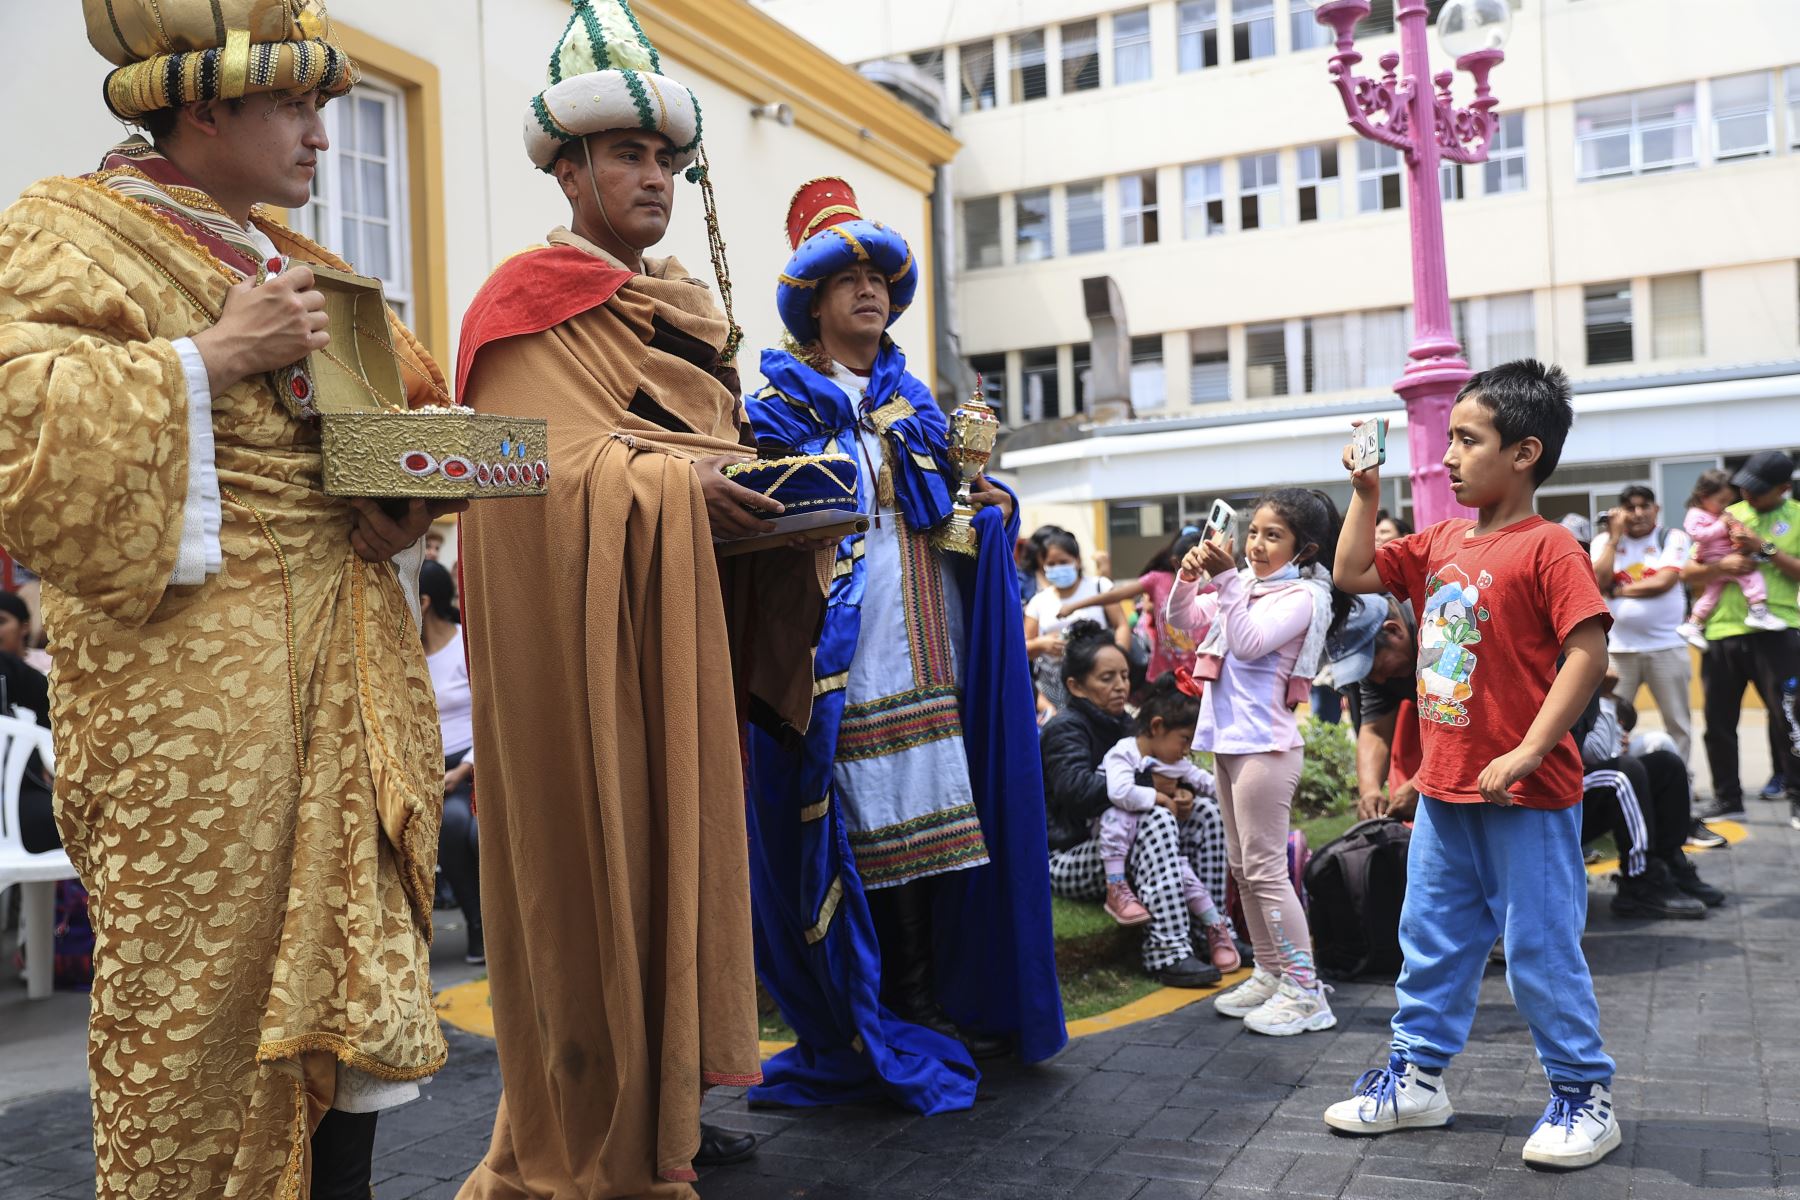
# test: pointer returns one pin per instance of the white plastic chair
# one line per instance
(36, 874)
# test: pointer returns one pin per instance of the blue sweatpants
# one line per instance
(1473, 873)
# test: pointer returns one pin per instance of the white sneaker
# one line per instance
(1578, 1129)
(1247, 996)
(1691, 634)
(1292, 1009)
(1761, 618)
(1397, 1096)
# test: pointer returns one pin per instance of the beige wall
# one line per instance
(495, 202)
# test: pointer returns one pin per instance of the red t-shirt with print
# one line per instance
(1494, 612)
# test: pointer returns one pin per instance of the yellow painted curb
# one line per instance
(1731, 831)
(467, 1006)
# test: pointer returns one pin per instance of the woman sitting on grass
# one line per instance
(1174, 831)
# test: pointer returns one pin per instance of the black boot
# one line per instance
(1654, 895)
(1688, 881)
(722, 1147)
(906, 976)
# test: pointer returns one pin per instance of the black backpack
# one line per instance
(1356, 885)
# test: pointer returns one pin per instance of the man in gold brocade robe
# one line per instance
(248, 761)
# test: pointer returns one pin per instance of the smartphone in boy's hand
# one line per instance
(1368, 449)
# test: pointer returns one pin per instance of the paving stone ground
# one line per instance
(1703, 1017)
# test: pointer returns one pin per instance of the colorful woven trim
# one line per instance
(927, 845)
(927, 617)
(898, 723)
(229, 72)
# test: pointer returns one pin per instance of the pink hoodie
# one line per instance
(1246, 710)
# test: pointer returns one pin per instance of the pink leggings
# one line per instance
(1755, 590)
(1256, 795)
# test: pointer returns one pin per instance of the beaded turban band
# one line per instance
(828, 232)
(606, 75)
(174, 52)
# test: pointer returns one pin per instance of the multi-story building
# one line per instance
(1638, 222)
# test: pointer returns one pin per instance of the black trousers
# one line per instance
(343, 1150)
(37, 818)
(1769, 662)
(459, 848)
(1645, 802)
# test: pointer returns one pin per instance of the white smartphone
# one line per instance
(1369, 449)
(1221, 524)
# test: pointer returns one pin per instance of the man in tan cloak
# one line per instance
(248, 765)
(615, 878)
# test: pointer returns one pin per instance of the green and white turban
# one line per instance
(606, 75)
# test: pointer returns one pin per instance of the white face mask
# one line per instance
(1063, 575)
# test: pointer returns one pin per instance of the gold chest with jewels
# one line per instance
(373, 444)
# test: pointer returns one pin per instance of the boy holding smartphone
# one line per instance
(1512, 643)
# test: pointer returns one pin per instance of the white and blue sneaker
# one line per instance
(1397, 1096)
(1578, 1128)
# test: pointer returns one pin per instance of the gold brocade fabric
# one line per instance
(248, 771)
(615, 878)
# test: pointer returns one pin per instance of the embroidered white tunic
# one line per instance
(901, 769)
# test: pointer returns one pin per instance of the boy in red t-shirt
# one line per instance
(1512, 643)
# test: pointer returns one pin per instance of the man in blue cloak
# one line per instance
(899, 865)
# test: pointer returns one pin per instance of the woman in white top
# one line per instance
(458, 844)
(1044, 627)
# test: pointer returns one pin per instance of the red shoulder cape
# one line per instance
(532, 292)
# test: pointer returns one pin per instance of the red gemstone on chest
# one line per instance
(275, 266)
(417, 462)
(302, 389)
(455, 470)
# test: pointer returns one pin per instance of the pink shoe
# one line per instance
(1224, 953)
(1122, 905)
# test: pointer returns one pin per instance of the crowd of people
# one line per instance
(652, 770)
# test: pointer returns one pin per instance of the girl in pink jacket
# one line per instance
(1262, 634)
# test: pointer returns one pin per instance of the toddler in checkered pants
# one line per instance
(1150, 767)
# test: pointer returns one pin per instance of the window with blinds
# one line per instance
(1080, 56)
(1606, 313)
(1030, 69)
(1676, 325)
(1265, 360)
(976, 75)
(1209, 379)
(1085, 216)
(1743, 116)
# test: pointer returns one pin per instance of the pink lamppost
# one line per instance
(1403, 110)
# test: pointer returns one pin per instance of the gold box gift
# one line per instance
(372, 444)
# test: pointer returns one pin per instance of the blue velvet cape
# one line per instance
(816, 951)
